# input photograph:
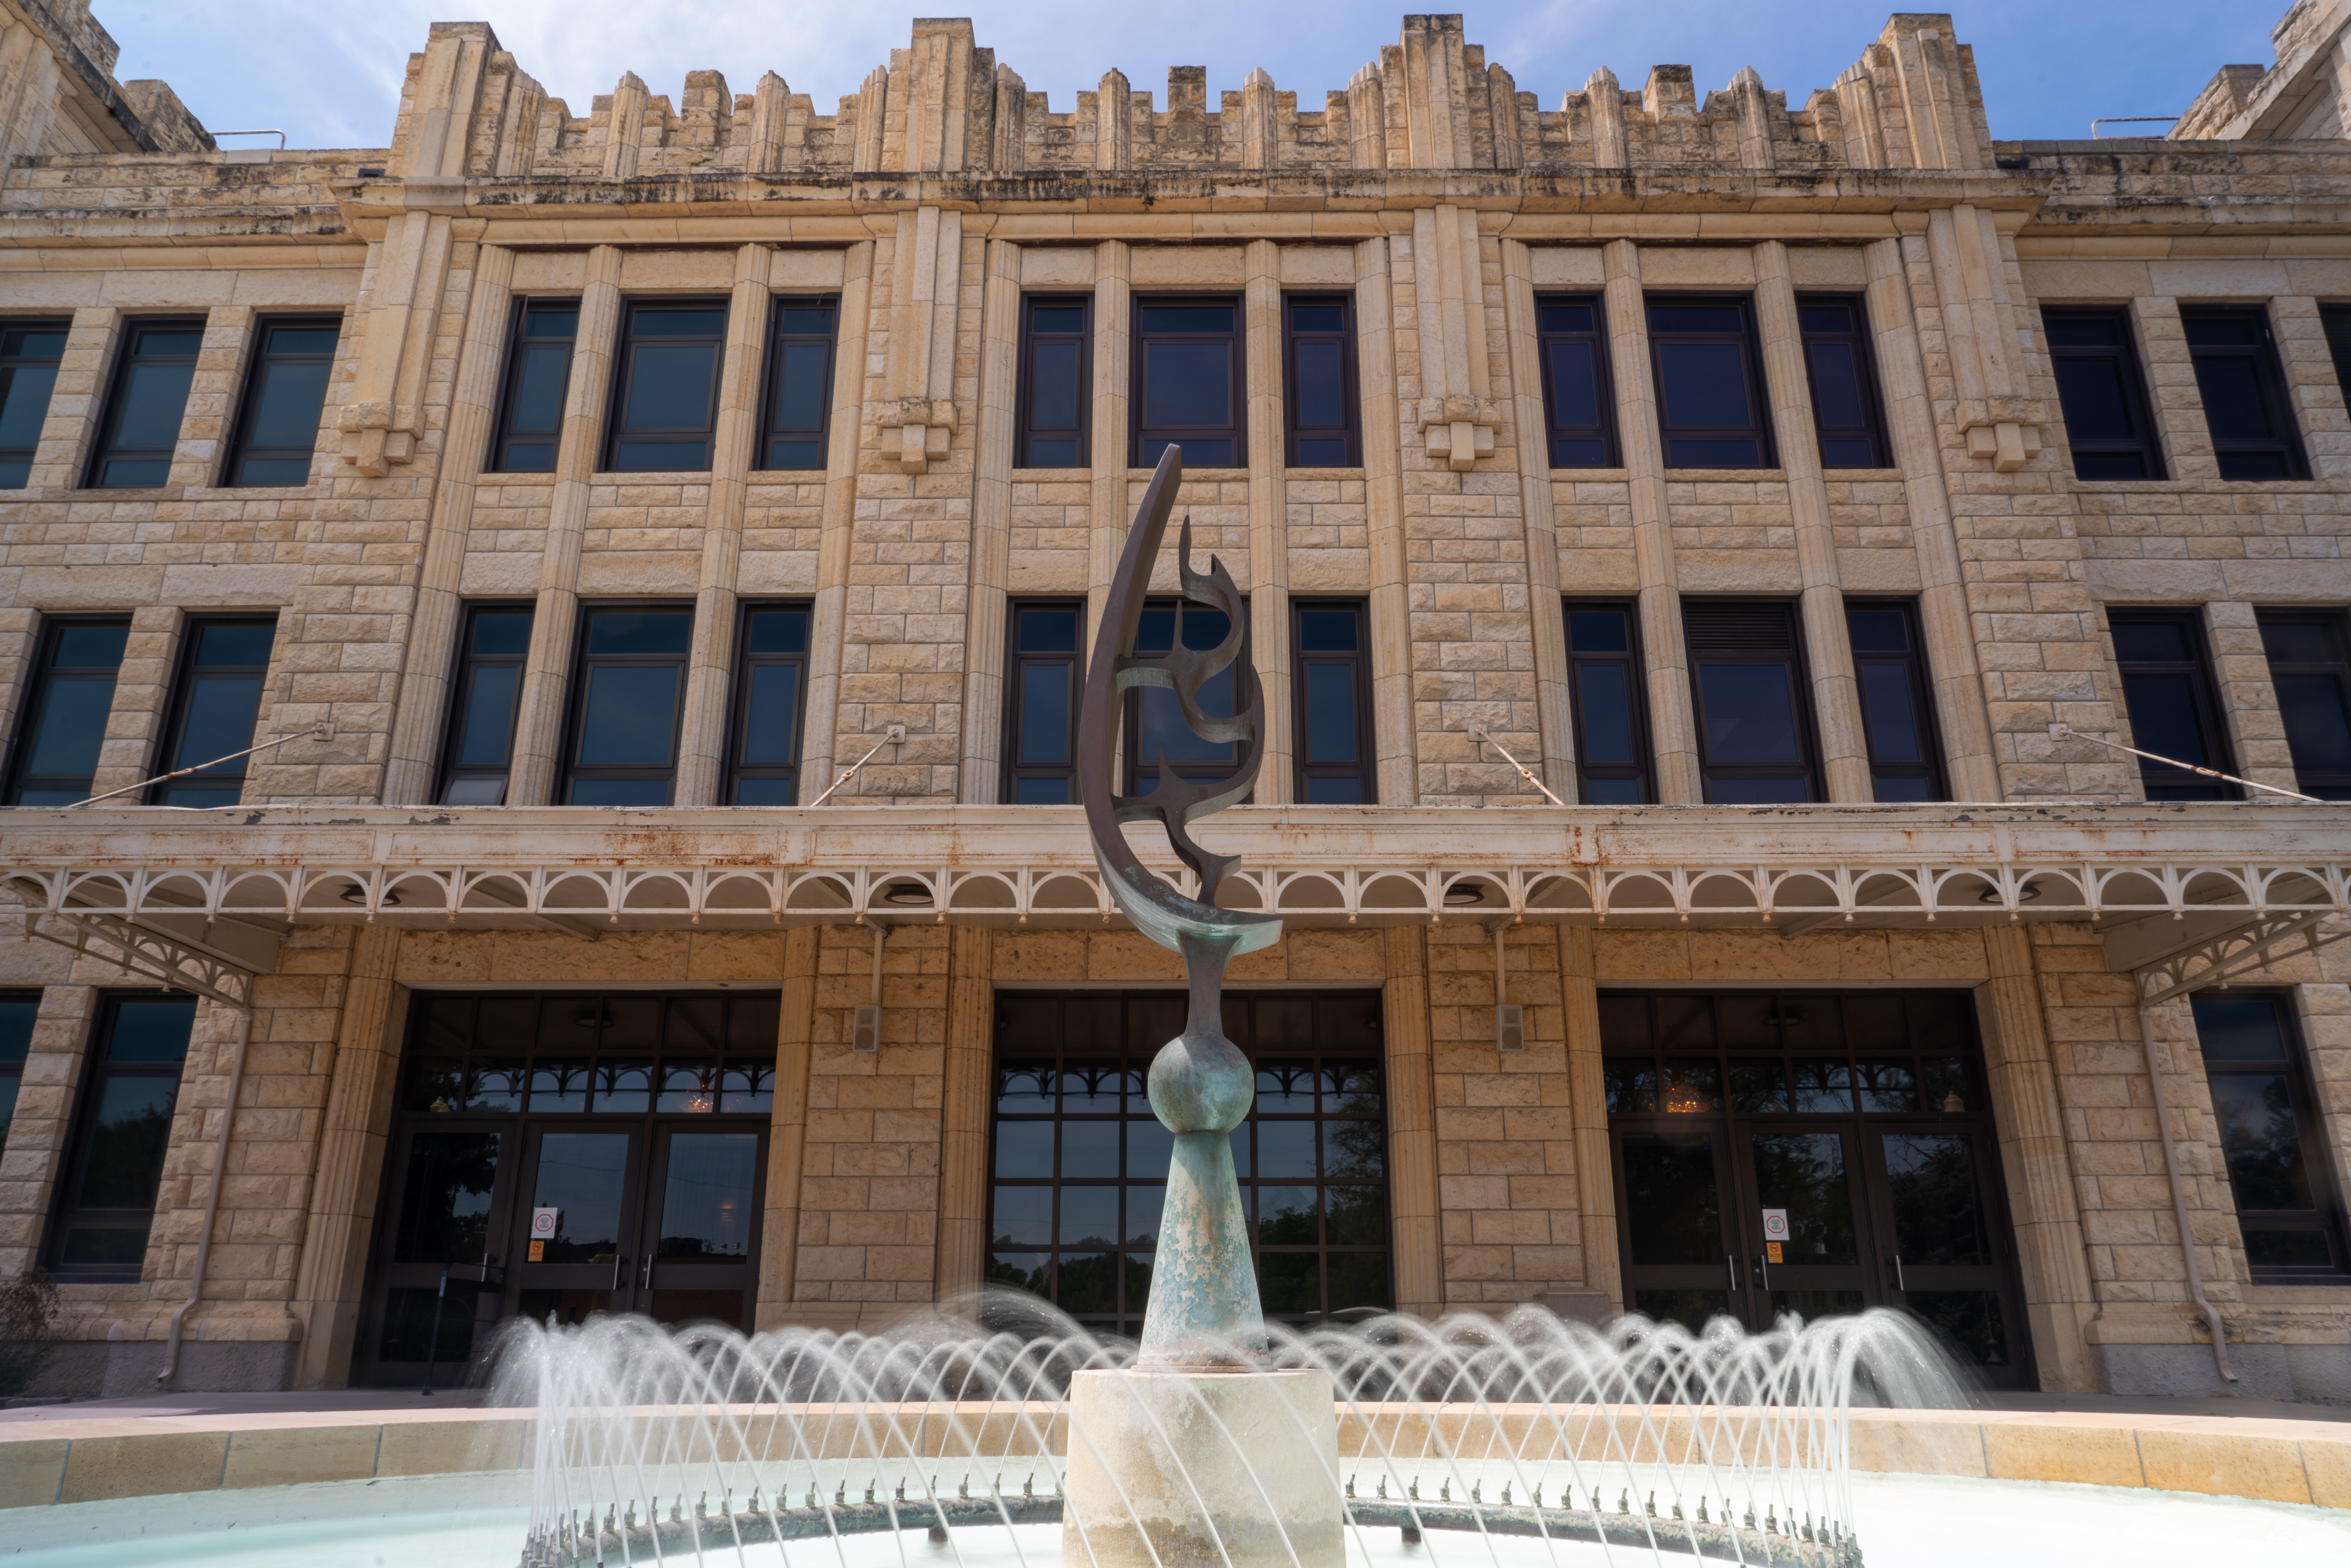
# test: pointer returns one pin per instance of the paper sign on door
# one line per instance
(1775, 1234)
(542, 1230)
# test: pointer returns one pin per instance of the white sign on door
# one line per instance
(1775, 1225)
(543, 1222)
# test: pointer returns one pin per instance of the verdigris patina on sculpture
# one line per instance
(1197, 1456)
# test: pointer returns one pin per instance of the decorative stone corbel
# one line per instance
(378, 434)
(1459, 428)
(923, 427)
(2003, 431)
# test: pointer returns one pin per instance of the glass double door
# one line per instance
(561, 1217)
(1754, 1218)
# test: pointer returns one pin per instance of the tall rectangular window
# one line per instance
(1606, 695)
(799, 382)
(1040, 706)
(29, 352)
(1709, 383)
(539, 372)
(665, 385)
(2335, 319)
(2243, 390)
(1754, 712)
(2174, 710)
(121, 1131)
(2274, 1143)
(1154, 724)
(141, 426)
(2310, 663)
(1056, 388)
(1318, 361)
(216, 703)
(1845, 410)
(492, 649)
(770, 685)
(1577, 389)
(278, 429)
(1331, 668)
(628, 692)
(2103, 397)
(19, 1010)
(64, 723)
(1188, 388)
(1897, 704)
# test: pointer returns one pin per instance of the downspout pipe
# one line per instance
(2180, 1195)
(212, 1199)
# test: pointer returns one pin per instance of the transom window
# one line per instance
(609, 1056)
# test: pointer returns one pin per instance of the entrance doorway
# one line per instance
(563, 1155)
(1815, 1153)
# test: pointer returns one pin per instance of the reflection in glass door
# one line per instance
(699, 1258)
(1813, 1267)
(580, 1226)
(1945, 1262)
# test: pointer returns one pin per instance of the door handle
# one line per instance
(1897, 1275)
(1763, 1270)
(1730, 1267)
(620, 1269)
(645, 1278)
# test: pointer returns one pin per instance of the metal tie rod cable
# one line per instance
(2067, 732)
(890, 737)
(1524, 771)
(322, 731)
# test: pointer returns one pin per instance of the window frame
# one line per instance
(1139, 435)
(2134, 383)
(1015, 662)
(1807, 722)
(12, 1066)
(118, 378)
(771, 383)
(2204, 694)
(1750, 352)
(11, 363)
(1130, 743)
(1351, 392)
(1365, 769)
(1921, 683)
(97, 1073)
(2334, 323)
(184, 690)
(1642, 770)
(738, 706)
(2332, 786)
(503, 432)
(2269, 378)
(39, 688)
(1865, 361)
(461, 695)
(2327, 1214)
(1603, 387)
(626, 340)
(257, 357)
(568, 772)
(1025, 429)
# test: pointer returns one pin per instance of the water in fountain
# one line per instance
(652, 1444)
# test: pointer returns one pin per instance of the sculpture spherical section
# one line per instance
(1202, 1083)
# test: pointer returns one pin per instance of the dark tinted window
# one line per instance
(284, 391)
(1572, 332)
(1188, 381)
(18, 1012)
(2168, 689)
(799, 382)
(665, 385)
(2245, 405)
(771, 693)
(1709, 383)
(29, 352)
(1610, 700)
(1319, 359)
(1897, 710)
(2098, 386)
(123, 1129)
(1331, 665)
(1056, 386)
(153, 370)
(1040, 701)
(64, 725)
(1155, 722)
(538, 372)
(1754, 713)
(1844, 392)
(493, 646)
(2270, 1137)
(628, 689)
(2308, 664)
(215, 705)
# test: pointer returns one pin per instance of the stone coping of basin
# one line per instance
(90, 1460)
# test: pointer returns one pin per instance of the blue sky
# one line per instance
(329, 71)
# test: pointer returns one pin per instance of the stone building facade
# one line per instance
(2074, 941)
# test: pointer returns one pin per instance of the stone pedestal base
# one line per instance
(1210, 1469)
